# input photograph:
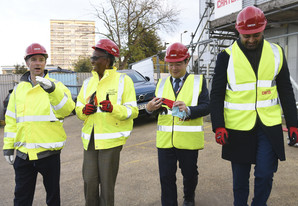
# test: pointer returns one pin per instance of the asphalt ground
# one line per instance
(138, 178)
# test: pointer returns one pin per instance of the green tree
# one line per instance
(83, 65)
(130, 23)
(20, 69)
(148, 44)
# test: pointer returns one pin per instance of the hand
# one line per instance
(106, 106)
(293, 134)
(168, 102)
(181, 105)
(43, 82)
(154, 104)
(89, 109)
(221, 136)
(9, 159)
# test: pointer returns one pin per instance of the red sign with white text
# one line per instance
(226, 7)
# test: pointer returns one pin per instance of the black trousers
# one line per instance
(25, 178)
(167, 161)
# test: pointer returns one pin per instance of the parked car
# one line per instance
(145, 90)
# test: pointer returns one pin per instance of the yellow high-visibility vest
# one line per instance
(172, 131)
(34, 118)
(247, 95)
(110, 129)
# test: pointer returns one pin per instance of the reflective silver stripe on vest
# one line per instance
(196, 90)
(86, 82)
(267, 103)
(10, 114)
(120, 88)
(129, 111)
(276, 58)
(120, 93)
(251, 106)
(161, 86)
(133, 104)
(230, 70)
(251, 86)
(112, 135)
(10, 134)
(61, 103)
(52, 145)
(85, 136)
(235, 106)
(266, 83)
(79, 104)
(179, 128)
(241, 87)
(36, 118)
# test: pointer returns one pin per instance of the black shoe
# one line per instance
(188, 203)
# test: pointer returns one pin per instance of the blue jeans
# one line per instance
(266, 165)
(167, 161)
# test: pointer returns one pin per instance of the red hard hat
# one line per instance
(35, 48)
(251, 20)
(108, 46)
(177, 52)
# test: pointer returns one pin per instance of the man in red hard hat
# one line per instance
(251, 80)
(34, 129)
(107, 105)
(181, 100)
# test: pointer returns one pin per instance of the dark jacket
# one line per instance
(243, 144)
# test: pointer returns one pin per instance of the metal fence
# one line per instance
(7, 82)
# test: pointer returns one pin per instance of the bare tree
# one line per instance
(126, 21)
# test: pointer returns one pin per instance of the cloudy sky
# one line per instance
(28, 21)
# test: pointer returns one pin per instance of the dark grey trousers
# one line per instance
(100, 167)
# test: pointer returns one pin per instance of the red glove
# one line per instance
(106, 105)
(293, 134)
(221, 136)
(168, 102)
(89, 109)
